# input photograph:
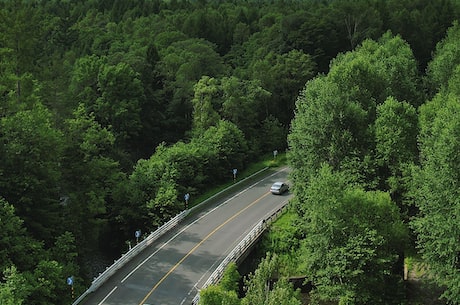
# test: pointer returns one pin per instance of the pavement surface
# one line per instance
(173, 269)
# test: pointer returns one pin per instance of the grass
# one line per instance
(266, 161)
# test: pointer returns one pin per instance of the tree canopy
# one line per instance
(110, 111)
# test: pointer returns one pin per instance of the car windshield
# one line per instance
(277, 184)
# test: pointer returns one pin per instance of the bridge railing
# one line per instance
(239, 250)
(125, 258)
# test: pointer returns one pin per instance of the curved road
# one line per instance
(172, 270)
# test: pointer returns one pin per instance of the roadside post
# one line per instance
(186, 198)
(70, 283)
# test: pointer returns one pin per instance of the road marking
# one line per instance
(109, 294)
(195, 221)
(185, 228)
(166, 243)
(196, 247)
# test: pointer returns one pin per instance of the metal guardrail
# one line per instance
(104, 276)
(125, 258)
(239, 251)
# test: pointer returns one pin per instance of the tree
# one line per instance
(283, 76)
(335, 113)
(357, 20)
(259, 290)
(327, 128)
(13, 288)
(354, 240)
(90, 175)
(119, 104)
(422, 23)
(225, 292)
(204, 105)
(239, 99)
(445, 59)
(376, 70)
(65, 253)
(396, 134)
(227, 146)
(20, 38)
(183, 63)
(32, 151)
(217, 295)
(273, 135)
(113, 94)
(157, 185)
(18, 249)
(84, 84)
(48, 282)
(436, 192)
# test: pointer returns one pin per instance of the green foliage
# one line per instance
(327, 128)
(29, 272)
(436, 191)
(119, 105)
(224, 293)
(358, 20)
(376, 70)
(273, 134)
(90, 176)
(336, 113)
(258, 290)
(283, 76)
(232, 99)
(285, 234)
(204, 113)
(412, 20)
(231, 278)
(13, 288)
(353, 241)
(30, 163)
(227, 145)
(17, 247)
(446, 59)
(396, 132)
(87, 88)
(217, 295)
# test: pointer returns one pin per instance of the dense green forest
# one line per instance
(111, 110)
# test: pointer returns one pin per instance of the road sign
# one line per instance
(137, 234)
(70, 280)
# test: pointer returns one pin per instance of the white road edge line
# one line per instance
(107, 296)
(192, 223)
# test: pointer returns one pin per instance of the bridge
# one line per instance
(190, 252)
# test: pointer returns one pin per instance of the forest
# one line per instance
(111, 110)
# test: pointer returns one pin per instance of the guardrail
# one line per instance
(239, 251)
(125, 258)
(97, 282)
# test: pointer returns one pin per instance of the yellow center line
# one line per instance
(197, 245)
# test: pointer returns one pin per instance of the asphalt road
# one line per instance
(173, 269)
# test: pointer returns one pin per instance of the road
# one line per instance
(173, 269)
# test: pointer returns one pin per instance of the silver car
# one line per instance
(279, 188)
